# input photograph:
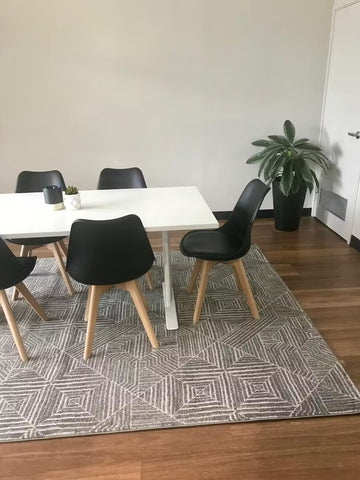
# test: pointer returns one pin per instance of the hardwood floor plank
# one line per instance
(186, 441)
(110, 457)
(330, 297)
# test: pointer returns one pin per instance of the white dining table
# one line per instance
(163, 209)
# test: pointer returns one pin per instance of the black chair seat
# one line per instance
(18, 272)
(107, 253)
(124, 178)
(13, 271)
(28, 182)
(228, 243)
(36, 240)
(211, 245)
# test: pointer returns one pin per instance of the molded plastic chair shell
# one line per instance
(117, 178)
(108, 252)
(111, 178)
(226, 244)
(233, 239)
(28, 182)
(13, 271)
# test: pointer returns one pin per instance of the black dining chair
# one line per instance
(12, 273)
(113, 178)
(227, 244)
(108, 253)
(28, 182)
(121, 178)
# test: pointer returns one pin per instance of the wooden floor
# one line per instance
(324, 275)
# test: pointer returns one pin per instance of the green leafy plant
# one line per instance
(290, 160)
(71, 190)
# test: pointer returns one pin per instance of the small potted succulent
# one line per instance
(72, 198)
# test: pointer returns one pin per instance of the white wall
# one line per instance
(177, 87)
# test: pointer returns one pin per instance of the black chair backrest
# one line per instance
(35, 181)
(107, 252)
(243, 216)
(11, 271)
(121, 178)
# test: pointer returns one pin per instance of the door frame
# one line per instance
(338, 5)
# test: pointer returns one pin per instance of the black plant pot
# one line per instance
(287, 210)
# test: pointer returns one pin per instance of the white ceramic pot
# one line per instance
(72, 202)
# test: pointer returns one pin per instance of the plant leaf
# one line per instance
(301, 140)
(303, 172)
(277, 167)
(315, 179)
(325, 160)
(289, 131)
(286, 179)
(275, 149)
(308, 146)
(256, 158)
(261, 143)
(296, 184)
(281, 140)
(270, 164)
(317, 158)
(269, 155)
(261, 168)
(267, 169)
(306, 173)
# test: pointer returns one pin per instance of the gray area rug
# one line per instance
(228, 368)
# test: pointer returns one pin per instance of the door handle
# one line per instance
(355, 134)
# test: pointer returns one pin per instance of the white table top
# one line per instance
(160, 209)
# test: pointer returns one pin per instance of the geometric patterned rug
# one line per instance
(227, 368)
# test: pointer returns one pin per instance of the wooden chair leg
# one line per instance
(24, 252)
(194, 275)
(15, 295)
(143, 299)
(244, 282)
(150, 280)
(137, 297)
(13, 326)
(237, 276)
(63, 247)
(31, 300)
(87, 309)
(54, 247)
(206, 267)
(95, 292)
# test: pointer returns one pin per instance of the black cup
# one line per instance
(53, 196)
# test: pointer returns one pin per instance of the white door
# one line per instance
(335, 204)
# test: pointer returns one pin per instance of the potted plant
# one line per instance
(72, 198)
(289, 165)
